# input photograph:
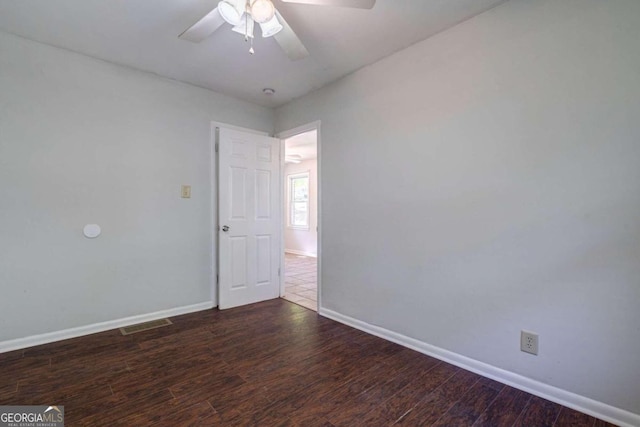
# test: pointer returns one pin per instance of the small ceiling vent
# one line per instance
(128, 330)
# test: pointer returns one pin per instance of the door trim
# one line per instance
(316, 125)
(213, 180)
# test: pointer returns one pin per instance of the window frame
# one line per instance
(290, 201)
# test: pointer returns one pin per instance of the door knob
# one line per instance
(225, 228)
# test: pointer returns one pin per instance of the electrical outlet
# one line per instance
(529, 342)
(186, 192)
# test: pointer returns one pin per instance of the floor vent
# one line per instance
(128, 330)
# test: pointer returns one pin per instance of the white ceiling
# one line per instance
(143, 34)
(305, 145)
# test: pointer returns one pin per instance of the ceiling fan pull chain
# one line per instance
(246, 28)
(246, 25)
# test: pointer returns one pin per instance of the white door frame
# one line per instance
(213, 179)
(282, 136)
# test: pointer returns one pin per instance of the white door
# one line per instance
(249, 218)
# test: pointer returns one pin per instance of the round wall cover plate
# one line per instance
(92, 231)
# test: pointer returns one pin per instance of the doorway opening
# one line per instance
(300, 219)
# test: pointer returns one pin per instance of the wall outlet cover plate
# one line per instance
(529, 342)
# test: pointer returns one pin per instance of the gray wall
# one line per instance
(84, 141)
(487, 180)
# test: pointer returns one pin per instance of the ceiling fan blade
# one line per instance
(358, 4)
(289, 41)
(204, 27)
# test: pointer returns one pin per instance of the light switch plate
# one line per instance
(186, 192)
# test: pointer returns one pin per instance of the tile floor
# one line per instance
(301, 281)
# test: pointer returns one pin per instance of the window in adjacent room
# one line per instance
(299, 200)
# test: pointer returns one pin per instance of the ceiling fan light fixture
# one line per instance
(231, 10)
(245, 26)
(271, 27)
(293, 158)
(262, 11)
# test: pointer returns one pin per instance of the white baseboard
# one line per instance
(296, 252)
(592, 407)
(20, 343)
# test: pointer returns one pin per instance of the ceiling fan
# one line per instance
(244, 14)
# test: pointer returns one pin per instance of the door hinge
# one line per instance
(216, 147)
(278, 271)
(217, 279)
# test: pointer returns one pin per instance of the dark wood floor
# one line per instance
(269, 364)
